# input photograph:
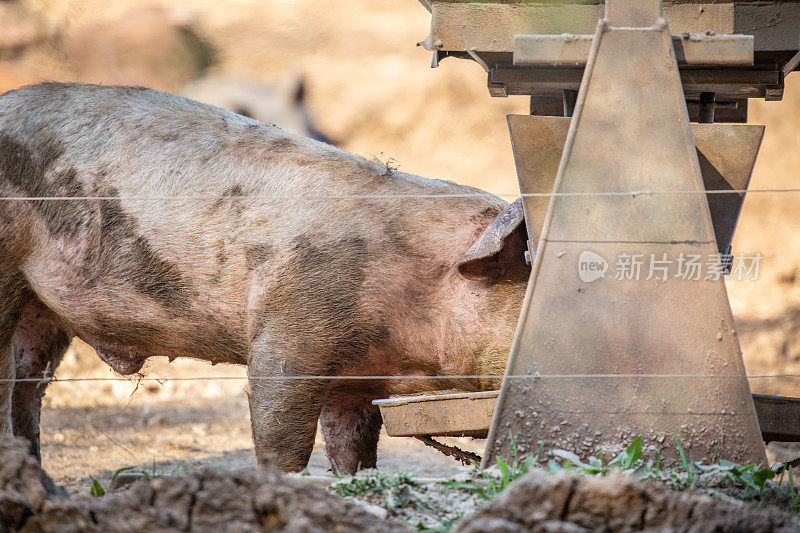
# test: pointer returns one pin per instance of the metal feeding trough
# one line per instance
(615, 340)
(469, 414)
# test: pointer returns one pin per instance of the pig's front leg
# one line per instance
(13, 294)
(38, 347)
(351, 426)
(284, 412)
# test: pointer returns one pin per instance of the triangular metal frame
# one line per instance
(596, 363)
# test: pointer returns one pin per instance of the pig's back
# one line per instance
(144, 140)
(187, 157)
(178, 165)
(136, 142)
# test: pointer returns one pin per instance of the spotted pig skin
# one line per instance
(196, 232)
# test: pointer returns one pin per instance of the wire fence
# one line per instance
(444, 377)
(643, 192)
(255, 197)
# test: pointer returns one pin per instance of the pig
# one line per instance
(282, 104)
(197, 232)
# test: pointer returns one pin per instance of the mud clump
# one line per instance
(21, 490)
(539, 502)
(252, 500)
(264, 500)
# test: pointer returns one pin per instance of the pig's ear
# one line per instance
(293, 87)
(500, 250)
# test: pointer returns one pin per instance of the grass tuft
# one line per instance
(751, 483)
(97, 489)
(435, 506)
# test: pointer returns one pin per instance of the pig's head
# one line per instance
(491, 277)
(477, 300)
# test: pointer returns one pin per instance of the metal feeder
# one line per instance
(600, 358)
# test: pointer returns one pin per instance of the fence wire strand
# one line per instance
(646, 192)
(164, 379)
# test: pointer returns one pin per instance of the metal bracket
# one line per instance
(790, 65)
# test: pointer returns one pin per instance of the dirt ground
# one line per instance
(369, 87)
(93, 428)
(244, 501)
(568, 503)
(265, 500)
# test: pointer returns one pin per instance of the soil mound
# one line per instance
(539, 502)
(252, 500)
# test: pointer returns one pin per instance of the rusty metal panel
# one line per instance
(774, 25)
(599, 361)
(717, 50)
(491, 26)
(726, 153)
(638, 14)
(538, 143)
(443, 415)
(565, 50)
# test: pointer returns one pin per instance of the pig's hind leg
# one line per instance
(351, 426)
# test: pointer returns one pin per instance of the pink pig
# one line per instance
(223, 239)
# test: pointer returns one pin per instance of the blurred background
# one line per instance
(349, 72)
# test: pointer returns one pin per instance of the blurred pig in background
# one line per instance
(282, 104)
(20, 29)
(166, 49)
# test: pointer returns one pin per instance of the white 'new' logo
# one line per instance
(591, 266)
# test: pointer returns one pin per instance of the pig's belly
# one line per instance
(125, 360)
(125, 345)
(125, 329)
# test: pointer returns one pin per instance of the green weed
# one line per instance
(486, 485)
(373, 481)
(97, 489)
